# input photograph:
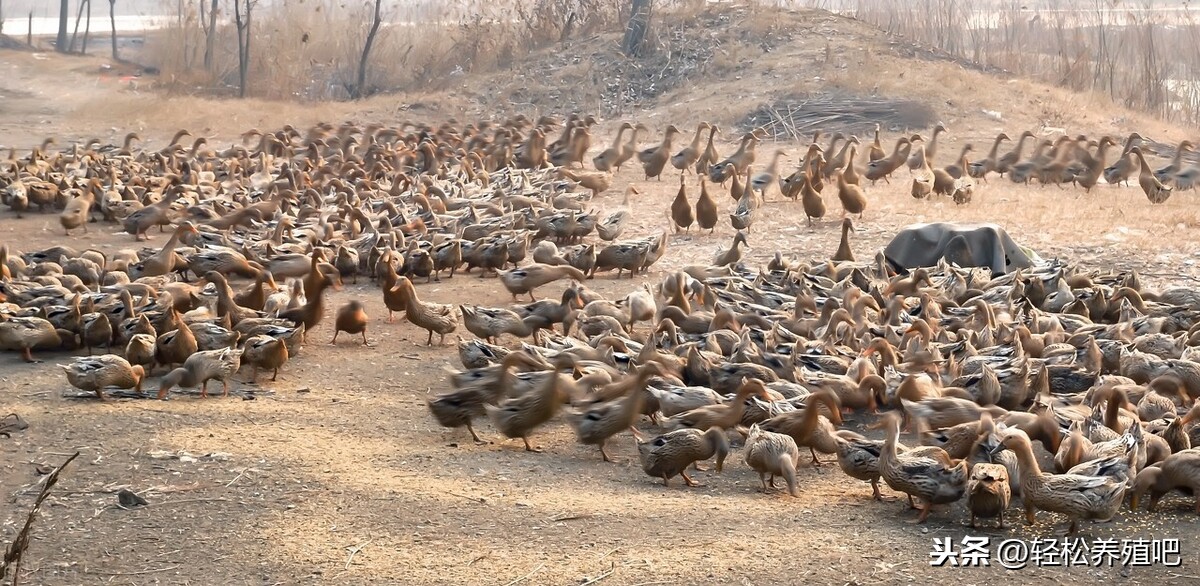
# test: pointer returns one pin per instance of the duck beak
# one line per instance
(996, 449)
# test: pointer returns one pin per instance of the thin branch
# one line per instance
(526, 576)
(12, 556)
(141, 573)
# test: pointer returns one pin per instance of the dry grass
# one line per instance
(1143, 55)
(309, 50)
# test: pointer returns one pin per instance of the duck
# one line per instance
(706, 209)
(709, 156)
(155, 214)
(524, 280)
(669, 455)
(1179, 471)
(655, 159)
(761, 182)
(201, 367)
(882, 168)
(725, 415)
(852, 197)
(1005, 163)
(673, 400)
(733, 254)
(770, 455)
(930, 476)
(641, 305)
(858, 457)
(875, 151)
(690, 154)
(599, 422)
(606, 160)
(746, 212)
(681, 209)
(1154, 189)
(1076, 496)
(1126, 165)
(844, 253)
(96, 373)
(435, 317)
(96, 330)
(811, 200)
(75, 214)
(988, 492)
(264, 352)
(614, 224)
(980, 169)
(313, 311)
(739, 162)
(352, 319)
(490, 323)
(475, 387)
(926, 153)
(519, 416)
(26, 334)
(807, 427)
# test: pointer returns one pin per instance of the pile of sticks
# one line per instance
(797, 118)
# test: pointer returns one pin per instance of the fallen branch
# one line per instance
(12, 556)
(354, 549)
(611, 570)
(235, 478)
(526, 576)
(141, 573)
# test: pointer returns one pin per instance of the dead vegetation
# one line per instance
(795, 118)
(1142, 55)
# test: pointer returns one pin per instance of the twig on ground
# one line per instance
(526, 576)
(477, 499)
(12, 556)
(212, 500)
(354, 549)
(141, 573)
(611, 570)
(236, 478)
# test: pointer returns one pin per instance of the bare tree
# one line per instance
(210, 31)
(78, 21)
(60, 43)
(112, 21)
(87, 27)
(638, 27)
(242, 21)
(360, 84)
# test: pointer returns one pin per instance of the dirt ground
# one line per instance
(337, 474)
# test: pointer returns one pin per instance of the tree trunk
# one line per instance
(29, 35)
(1, 17)
(360, 84)
(210, 35)
(637, 28)
(60, 43)
(75, 31)
(87, 27)
(242, 22)
(112, 21)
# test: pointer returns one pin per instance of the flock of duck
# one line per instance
(1001, 376)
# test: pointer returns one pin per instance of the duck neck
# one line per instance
(1027, 463)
